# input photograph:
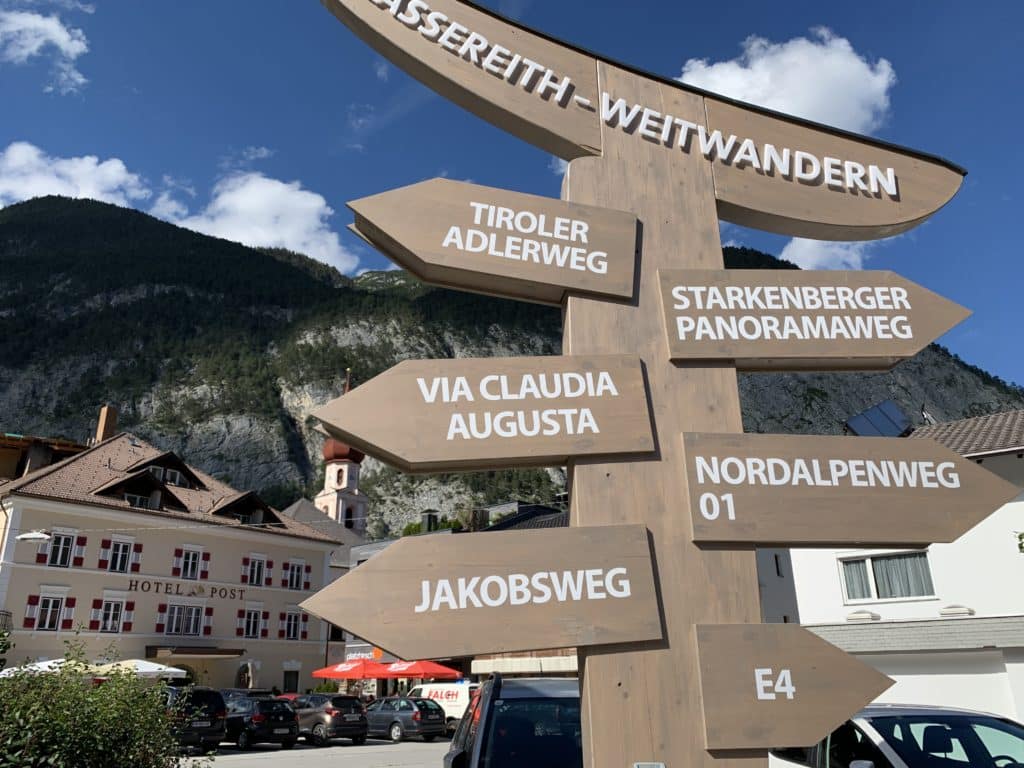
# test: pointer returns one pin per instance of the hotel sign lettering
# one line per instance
(185, 589)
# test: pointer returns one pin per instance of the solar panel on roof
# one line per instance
(886, 419)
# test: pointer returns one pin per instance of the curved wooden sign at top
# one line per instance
(771, 171)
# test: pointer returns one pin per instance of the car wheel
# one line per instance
(395, 732)
(320, 735)
(244, 741)
(429, 739)
(357, 740)
(288, 744)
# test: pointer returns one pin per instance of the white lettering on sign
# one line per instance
(856, 473)
(546, 422)
(801, 327)
(523, 589)
(543, 82)
(769, 687)
(521, 247)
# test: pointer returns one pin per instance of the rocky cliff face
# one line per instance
(221, 352)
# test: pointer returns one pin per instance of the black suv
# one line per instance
(325, 716)
(198, 716)
(520, 722)
(254, 720)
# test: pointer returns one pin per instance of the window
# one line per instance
(60, 550)
(291, 626)
(295, 571)
(190, 564)
(350, 518)
(184, 619)
(252, 624)
(174, 477)
(49, 613)
(134, 500)
(256, 568)
(157, 472)
(112, 613)
(120, 556)
(888, 577)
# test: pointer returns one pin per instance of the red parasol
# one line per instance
(420, 669)
(356, 669)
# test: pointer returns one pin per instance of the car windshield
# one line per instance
(540, 733)
(426, 705)
(346, 704)
(274, 706)
(953, 740)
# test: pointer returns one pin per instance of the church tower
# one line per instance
(340, 499)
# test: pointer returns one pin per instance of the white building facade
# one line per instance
(947, 622)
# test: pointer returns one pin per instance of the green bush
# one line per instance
(63, 720)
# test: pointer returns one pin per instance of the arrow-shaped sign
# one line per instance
(501, 243)
(776, 685)
(437, 415)
(771, 171)
(802, 490)
(794, 320)
(438, 595)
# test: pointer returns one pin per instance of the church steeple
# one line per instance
(340, 499)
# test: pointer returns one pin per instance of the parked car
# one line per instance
(453, 698)
(235, 693)
(325, 716)
(903, 736)
(199, 716)
(399, 717)
(254, 720)
(533, 722)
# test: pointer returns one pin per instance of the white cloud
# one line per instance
(822, 79)
(822, 254)
(381, 70)
(558, 166)
(25, 36)
(67, 5)
(26, 171)
(246, 207)
(253, 209)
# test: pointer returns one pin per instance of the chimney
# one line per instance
(107, 426)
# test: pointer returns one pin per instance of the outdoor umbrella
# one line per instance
(356, 669)
(140, 667)
(421, 670)
(53, 665)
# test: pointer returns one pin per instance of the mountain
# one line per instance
(220, 352)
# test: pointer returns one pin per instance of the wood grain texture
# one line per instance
(844, 514)
(748, 700)
(377, 600)
(917, 311)
(390, 417)
(410, 225)
(644, 703)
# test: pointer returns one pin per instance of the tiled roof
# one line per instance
(925, 635)
(982, 434)
(532, 517)
(78, 479)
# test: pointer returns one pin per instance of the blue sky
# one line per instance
(257, 120)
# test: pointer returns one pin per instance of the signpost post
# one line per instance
(712, 686)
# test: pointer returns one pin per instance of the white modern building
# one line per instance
(947, 623)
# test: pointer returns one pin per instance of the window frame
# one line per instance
(50, 612)
(186, 552)
(296, 568)
(292, 620)
(867, 559)
(184, 620)
(262, 561)
(120, 617)
(250, 613)
(55, 548)
(115, 544)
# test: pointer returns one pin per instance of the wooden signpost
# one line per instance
(487, 413)
(460, 595)
(798, 490)
(676, 159)
(501, 243)
(794, 320)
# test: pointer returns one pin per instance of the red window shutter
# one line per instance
(94, 625)
(245, 578)
(159, 629)
(81, 541)
(270, 563)
(266, 615)
(282, 617)
(245, 561)
(77, 562)
(284, 581)
(241, 613)
(33, 599)
(305, 635)
(130, 605)
(97, 604)
(175, 571)
(66, 624)
(135, 567)
(207, 631)
(209, 610)
(41, 558)
(71, 602)
(127, 627)
(162, 608)
(206, 557)
(309, 569)
(305, 585)
(28, 624)
(137, 548)
(105, 544)
(179, 552)
(103, 564)
(203, 575)
(280, 634)
(239, 631)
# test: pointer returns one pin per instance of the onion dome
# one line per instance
(335, 450)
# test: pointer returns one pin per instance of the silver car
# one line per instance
(903, 736)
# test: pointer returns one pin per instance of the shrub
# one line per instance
(63, 719)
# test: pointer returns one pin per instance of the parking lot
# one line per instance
(372, 754)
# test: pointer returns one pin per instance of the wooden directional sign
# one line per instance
(771, 171)
(795, 490)
(794, 320)
(435, 415)
(501, 243)
(776, 685)
(434, 596)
